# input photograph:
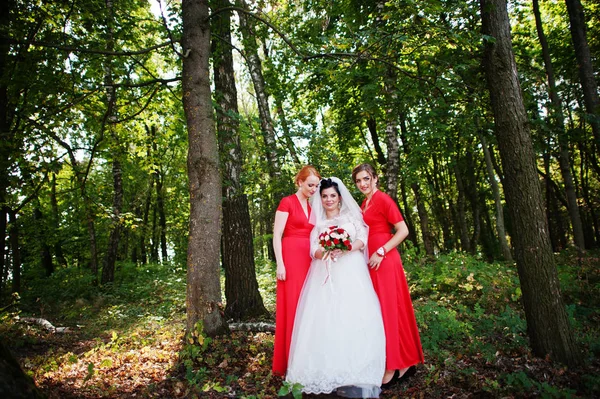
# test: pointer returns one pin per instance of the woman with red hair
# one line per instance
(291, 243)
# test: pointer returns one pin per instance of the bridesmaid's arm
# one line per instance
(400, 235)
(280, 221)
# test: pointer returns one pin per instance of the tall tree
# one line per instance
(108, 269)
(241, 288)
(558, 121)
(586, 67)
(500, 230)
(248, 29)
(547, 323)
(5, 131)
(203, 297)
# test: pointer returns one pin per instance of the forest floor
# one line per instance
(127, 341)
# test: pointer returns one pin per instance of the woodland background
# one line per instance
(145, 146)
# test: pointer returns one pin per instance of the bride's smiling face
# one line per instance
(330, 199)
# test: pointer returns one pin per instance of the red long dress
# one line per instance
(403, 344)
(296, 258)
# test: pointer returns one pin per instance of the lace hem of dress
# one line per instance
(353, 384)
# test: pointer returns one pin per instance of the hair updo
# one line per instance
(364, 167)
(328, 183)
(306, 171)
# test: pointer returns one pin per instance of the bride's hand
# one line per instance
(336, 253)
(281, 272)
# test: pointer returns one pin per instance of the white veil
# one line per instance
(349, 209)
(349, 206)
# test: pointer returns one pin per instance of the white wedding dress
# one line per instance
(338, 339)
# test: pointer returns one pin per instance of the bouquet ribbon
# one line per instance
(328, 266)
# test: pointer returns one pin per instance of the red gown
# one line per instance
(403, 344)
(296, 258)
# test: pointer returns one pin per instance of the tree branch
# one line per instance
(264, 21)
(129, 117)
(147, 83)
(73, 49)
(166, 26)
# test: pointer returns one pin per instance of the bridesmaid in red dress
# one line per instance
(381, 214)
(291, 243)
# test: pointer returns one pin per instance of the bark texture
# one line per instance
(557, 120)
(547, 324)
(241, 288)
(586, 67)
(108, 269)
(500, 230)
(14, 383)
(203, 297)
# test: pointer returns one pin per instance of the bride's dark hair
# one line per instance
(328, 183)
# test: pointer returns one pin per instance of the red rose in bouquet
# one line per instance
(335, 238)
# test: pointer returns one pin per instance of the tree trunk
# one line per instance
(586, 68)
(287, 134)
(472, 193)
(161, 229)
(58, 252)
(423, 221)
(461, 216)
(91, 227)
(6, 135)
(108, 269)
(42, 236)
(372, 126)
(592, 227)
(3, 265)
(247, 27)
(203, 297)
(145, 228)
(14, 382)
(558, 235)
(241, 288)
(558, 119)
(391, 138)
(547, 324)
(15, 250)
(438, 206)
(162, 217)
(500, 230)
(255, 67)
(155, 236)
(412, 232)
(421, 211)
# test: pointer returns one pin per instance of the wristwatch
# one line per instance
(381, 252)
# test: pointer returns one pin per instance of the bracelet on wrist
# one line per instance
(381, 252)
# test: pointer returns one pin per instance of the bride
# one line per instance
(338, 343)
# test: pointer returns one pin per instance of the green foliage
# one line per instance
(153, 291)
(267, 283)
(295, 389)
(469, 310)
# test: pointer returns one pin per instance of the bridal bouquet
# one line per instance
(335, 238)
